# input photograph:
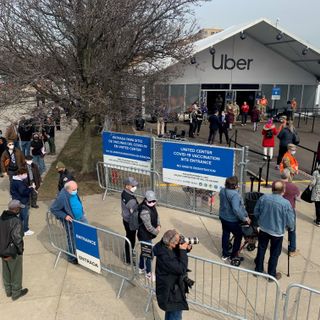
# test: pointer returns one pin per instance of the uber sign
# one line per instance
(87, 248)
(225, 63)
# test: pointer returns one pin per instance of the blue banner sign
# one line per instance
(276, 93)
(127, 150)
(87, 248)
(197, 166)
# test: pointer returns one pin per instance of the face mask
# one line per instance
(151, 204)
(73, 193)
(10, 147)
(133, 189)
(29, 162)
(293, 152)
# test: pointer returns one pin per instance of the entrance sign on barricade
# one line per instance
(194, 190)
(301, 303)
(228, 290)
(111, 247)
(86, 241)
(127, 150)
(200, 166)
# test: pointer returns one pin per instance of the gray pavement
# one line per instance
(72, 292)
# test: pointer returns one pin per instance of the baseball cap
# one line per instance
(292, 146)
(130, 181)
(150, 196)
(13, 204)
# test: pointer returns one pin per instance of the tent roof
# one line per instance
(289, 46)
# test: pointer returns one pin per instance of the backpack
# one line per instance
(269, 134)
(134, 222)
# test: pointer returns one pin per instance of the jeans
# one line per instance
(292, 237)
(25, 147)
(275, 251)
(145, 262)
(234, 228)
(131, 235)
(244, 117)
(173, 315)
(24, 217)
(39, 161)
(70, 236)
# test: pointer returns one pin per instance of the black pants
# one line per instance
(198, 126)
(131, 235)
(57, 121)
(192, 128)
(317, 205)
(212, 135)
(282, 151)
(244, 117)
(33, 198)
(225, 132)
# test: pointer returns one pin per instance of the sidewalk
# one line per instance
(72, 292)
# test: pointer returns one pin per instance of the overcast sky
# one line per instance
(301, 18)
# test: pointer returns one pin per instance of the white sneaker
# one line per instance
(151, 276)
(29, 233)
(141, 271)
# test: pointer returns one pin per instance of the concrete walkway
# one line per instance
(72, 292)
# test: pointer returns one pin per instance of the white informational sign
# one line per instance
(133, 152)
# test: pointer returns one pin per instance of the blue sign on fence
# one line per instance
(197, 166)
(127, 150)
(276, 93)
(87, 248)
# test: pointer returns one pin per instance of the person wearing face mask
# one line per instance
(11, 250)
(129, 203)
(289, 161)
(3, 147)
(34, 177)
(37, 147)
(149, 228)
(64, 175)
(12, 159)
(67, 207)
(20, 190)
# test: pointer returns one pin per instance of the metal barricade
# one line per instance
(301, 303)
(111, 179)
(225, 289)
(111, 248)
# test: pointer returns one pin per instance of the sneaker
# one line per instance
(141, 271)
(317, 223)
(35, 207)
(151, 276)
(278, 276)
(29, 233)
(294, 253)
(22, 293)
(225, 258)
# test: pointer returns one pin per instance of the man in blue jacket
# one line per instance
(214, 124)
(68, 207)
(273, 214)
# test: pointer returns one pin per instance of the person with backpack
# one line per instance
(269, 131)
(11, 250)
(129, 206)
(149, 228)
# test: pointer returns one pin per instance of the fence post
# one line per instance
(268, 169)
(299, 120)
(259, 181)
(235, 138)
(153, 157)
(313, 119)
(243, 164)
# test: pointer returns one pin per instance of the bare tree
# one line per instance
(95, 52)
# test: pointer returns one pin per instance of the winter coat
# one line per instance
(223, 122)
(36, 176)
(129, 203)
(230, 115)
(245, 108)
(315, 184)
(6, 160)
(171, 268)
(148, 220)
(214, 122)
(64, 177)
(25, 130)
(286, 136)
(11, 231)
(36, 146)
(19, 190)
(12, 133)
(3, 145)
(255, 115)
(268, 142)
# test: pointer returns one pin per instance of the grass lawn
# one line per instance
(71, 157)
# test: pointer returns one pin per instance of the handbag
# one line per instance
(306, 195)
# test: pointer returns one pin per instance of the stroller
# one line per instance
(249, 231)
